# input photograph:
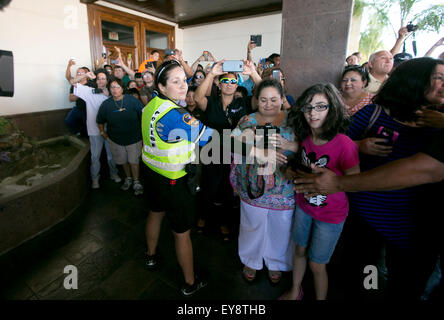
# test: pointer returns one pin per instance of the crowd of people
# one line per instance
(381, 113)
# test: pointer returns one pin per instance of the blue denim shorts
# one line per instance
(320, 237)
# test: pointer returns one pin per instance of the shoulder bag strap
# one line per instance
(373, 119)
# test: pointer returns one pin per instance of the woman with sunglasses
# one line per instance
(222, 112)
(354, 80)
(198, 78)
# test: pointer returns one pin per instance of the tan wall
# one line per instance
(230, 39)
(43, 36)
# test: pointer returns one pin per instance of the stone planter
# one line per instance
(28, 213)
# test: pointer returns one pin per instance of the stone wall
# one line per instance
(314, 41)
(42, 125)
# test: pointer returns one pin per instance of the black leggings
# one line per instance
(218, 201)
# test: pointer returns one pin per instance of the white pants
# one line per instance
(265, 234)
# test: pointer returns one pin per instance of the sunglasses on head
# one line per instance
(228, 80)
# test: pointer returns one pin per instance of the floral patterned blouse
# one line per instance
(278, 191)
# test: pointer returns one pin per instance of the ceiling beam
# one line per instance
(276, 7)
(88, 1)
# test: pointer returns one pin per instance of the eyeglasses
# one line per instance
(228, 80)
(200, 76)
(115, 87)
(317, 108)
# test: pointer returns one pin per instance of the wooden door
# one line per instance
(108, 30)
(136, 36)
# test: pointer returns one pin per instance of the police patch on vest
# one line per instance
(190, 120)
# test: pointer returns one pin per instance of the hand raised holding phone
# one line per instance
(91, 75)
(217, 69)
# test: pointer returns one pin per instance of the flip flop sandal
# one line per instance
(274, 276)
(249, 274)
(200, 226)
(225, 234)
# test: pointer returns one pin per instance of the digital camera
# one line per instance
(267, 130)
(411, 27)
(388, 134)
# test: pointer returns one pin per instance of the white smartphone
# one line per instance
(233, 66)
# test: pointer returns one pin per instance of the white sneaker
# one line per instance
(116, 178)
(95, 184)
(127, 184)
(138, 188)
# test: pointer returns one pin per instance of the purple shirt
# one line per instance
(338, 155)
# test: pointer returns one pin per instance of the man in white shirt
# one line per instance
(94, 98)
(380, 64)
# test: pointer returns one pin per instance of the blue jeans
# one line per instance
(76, 120)
(96, 143)
(321, 237)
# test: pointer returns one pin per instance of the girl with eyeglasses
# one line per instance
(319, 121)
(221, 112)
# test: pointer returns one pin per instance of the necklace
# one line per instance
(121, 108)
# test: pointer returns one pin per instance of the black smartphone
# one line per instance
(169, 52)
(386, 133)
(296, 164)
(257, 39)
(6, 74)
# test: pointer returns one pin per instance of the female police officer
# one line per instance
(170, 134)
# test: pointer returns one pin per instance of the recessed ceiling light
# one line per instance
(181, 14)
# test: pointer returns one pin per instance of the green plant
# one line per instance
(3, 125)
(428, 20)
(358, 8)
(370, 38)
